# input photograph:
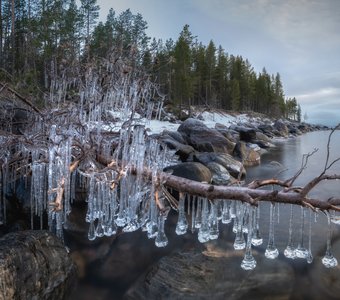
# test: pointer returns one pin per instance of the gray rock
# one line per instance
(34, 265)
(267, 129)
(262, 137)
(204, 139)
(220, 175)
(281, 127)
(175, 135)
(191, 170)
(246, 154)
(182, 150)
(233, 166)
(247, 134)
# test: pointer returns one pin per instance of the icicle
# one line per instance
(289, 252)
(92, 232)
(310, 256)
(213, 222)
(152, 225)
(249, 262)
(90, 217)
(271, 250)
(203, 232)
(100, 229)
(219, 209)
(226, 218)
(245, 220)
(121, 217)
(233, 209)
(329, 260)
(59, 225)
(301, 251)
(193, 214)
(239, 242)
(182, 223)
(161, 239)
(198, 218)
(256, 238)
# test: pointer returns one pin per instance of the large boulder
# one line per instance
(191, 170)
(34, 265)
(233, 166)
(204, 139)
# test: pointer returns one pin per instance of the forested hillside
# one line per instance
(41, 40)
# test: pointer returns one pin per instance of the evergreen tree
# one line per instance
(235, 95)
(182, 67)
(222, 79)
(210, 62)
(90, 13)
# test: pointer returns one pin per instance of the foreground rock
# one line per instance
(34, 265)
(213, 274)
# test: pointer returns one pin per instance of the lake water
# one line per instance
(110, 266)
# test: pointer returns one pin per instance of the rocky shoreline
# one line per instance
(220, 155)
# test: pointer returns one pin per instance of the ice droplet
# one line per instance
(182, 224)
(161, 239)
(256, 240)
(329, 260)
(289, 252)
(301, 251)
(92, 232)
(203, 232)
(239, 242)
(249, 262)
(271, 250)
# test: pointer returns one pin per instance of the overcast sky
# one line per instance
(300, 39)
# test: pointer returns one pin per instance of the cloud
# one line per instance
(321, 105)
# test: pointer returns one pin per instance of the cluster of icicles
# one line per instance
(131, 205)
(206, 215)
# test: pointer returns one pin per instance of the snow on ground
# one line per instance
(208, 118)
(158, 126)
(211, 118)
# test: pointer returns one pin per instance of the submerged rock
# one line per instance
(213, 274)
(34, 265)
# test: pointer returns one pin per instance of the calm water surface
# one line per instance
(130, 255)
